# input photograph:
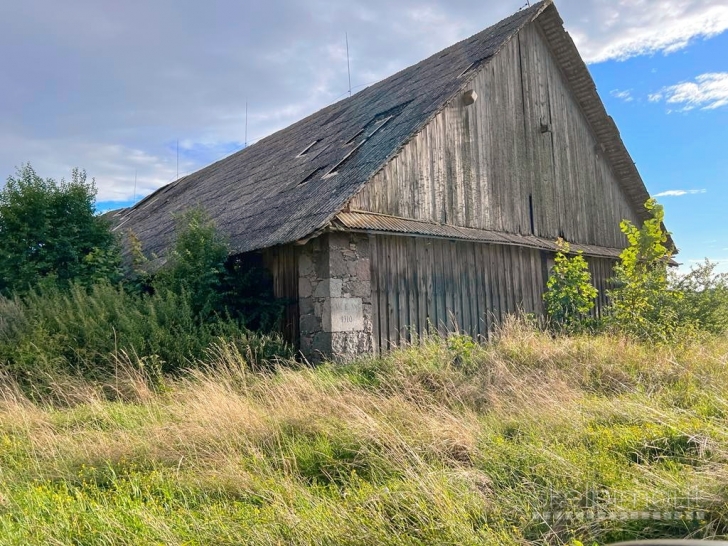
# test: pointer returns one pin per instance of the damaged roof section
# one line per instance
(293, 183)
(273, 192)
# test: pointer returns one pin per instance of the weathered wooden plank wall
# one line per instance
(420, 282)
(470, 286)
(602, 270)
(521, 159)
(282, 262)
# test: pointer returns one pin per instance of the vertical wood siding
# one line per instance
(282, 262)
(420, 283)
(448, 285)
(602, 270)
(522, 158)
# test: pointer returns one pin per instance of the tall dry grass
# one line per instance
(446, 442)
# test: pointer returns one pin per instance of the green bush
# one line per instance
(218, 285)
(85, 331)
(569, 295)
(642, 303)
(51, 234)
(704, 300)
(196, 264)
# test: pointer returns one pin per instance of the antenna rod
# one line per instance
(246, 124)
(177, 159)
(348, 66)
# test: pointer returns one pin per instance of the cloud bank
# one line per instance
(112, 86)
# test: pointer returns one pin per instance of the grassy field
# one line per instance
(527, 440)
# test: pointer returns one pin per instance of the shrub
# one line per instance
(569, 295)
(218, 285)
(196, 264)
(704, 298)
(641, 302)
(85, 331)
(51, 234)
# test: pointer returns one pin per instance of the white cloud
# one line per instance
(116, 94)
(678, 193)
(625, 95)
(114, 167)
(626, 28)
(708, 92)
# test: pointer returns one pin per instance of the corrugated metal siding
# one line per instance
(373, 222)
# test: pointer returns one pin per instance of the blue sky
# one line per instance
(677, 149)
(134, 81)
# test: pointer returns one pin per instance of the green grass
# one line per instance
(448, 442)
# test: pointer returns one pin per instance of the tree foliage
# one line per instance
(704, 300)
(569, 293)
(216, 284)
(49, 233)
(642, 304)
(196, 263)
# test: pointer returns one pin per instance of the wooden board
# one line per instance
(521, 159)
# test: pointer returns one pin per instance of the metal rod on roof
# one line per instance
(177, 159)
(348, 65)
(246, 124)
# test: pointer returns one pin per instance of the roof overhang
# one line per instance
(384, 224)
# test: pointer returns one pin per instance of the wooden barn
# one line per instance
(433, 197)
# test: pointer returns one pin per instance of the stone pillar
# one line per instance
(335, 297)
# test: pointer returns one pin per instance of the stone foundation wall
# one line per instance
(335, 297)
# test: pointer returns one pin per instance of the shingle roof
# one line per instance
(268, 194)
(293, 183)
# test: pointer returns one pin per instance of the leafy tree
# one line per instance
(49, 233)
(196, 263)
(704, 300)
(641, 302)
(569, 293)
(237, 287)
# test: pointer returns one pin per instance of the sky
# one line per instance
(137, 92)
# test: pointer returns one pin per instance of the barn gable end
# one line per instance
(522, 159)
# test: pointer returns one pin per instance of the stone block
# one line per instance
(305, 265)
(309, 324)
(328, 288)
(305, 306)
(339, 240)
(360, 289)
(343, 315)
(362, 247)
(363, 270)
(337, 264)
(320, 346)
(305, 290)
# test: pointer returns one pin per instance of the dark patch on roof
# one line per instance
(256, 195)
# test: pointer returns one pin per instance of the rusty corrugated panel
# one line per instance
(373, 222)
